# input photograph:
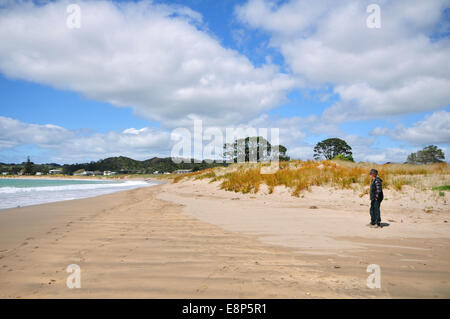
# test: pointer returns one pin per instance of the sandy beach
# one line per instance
(192, 240)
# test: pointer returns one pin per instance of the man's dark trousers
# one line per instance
(375, 215)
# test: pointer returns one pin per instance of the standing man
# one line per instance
(376, 196)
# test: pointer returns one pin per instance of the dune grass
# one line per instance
(207, 173)
(299, 175)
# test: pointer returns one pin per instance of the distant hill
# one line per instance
(124, 164)
(119, 164)
(116, 164)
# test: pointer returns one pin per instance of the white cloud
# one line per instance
(434, 129)
(159, 60)
(150, 57)
(393, 70)
(395, 155)
(14, 133)
(67, 146)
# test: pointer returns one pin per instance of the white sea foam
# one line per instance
(23, 196)
(11, 190)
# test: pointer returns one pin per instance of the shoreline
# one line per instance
(81, 178)
(150, 182)
(170, 241)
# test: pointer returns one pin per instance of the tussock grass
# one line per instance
(198, 175)
(299, 175)
(207, 173)
(397, 183)
(243, 180)
(179, 177)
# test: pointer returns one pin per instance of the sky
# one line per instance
(136, 72)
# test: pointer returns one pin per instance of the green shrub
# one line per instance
(343, 157)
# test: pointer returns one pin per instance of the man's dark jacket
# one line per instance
(376, 189)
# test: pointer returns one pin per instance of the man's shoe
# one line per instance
(374, 226)
(370, 225)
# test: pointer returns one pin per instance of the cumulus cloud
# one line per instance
(70, 146)
(14, 133)
(434, 129)
(162, 62)
(154, 58)
(392, 154)
(66, 146)
(396, 69)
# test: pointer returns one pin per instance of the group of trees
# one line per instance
(27, 168)
(259, 149)
(335, 148)
(429, 155)
(254, 149)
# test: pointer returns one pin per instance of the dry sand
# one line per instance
(193, 240)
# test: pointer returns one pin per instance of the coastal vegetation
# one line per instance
(300, 176)
(442, 188)
(253, 149)
(430, 154)
(337, 169)
(333, 148)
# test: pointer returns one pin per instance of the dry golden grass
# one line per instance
(179, 177)
(207, 173)
(301, 175)
(243, 180)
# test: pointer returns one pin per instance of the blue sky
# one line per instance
(296, 65)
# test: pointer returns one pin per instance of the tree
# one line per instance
(331, 148)
(28, 169)
(254, 148)
(412, 158)
(430, 154)
(345, 158)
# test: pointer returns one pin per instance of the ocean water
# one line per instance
(24, 192)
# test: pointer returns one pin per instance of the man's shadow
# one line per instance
(384, 224)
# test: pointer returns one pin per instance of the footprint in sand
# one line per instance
(202, 288)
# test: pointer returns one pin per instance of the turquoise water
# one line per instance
(24, 192)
